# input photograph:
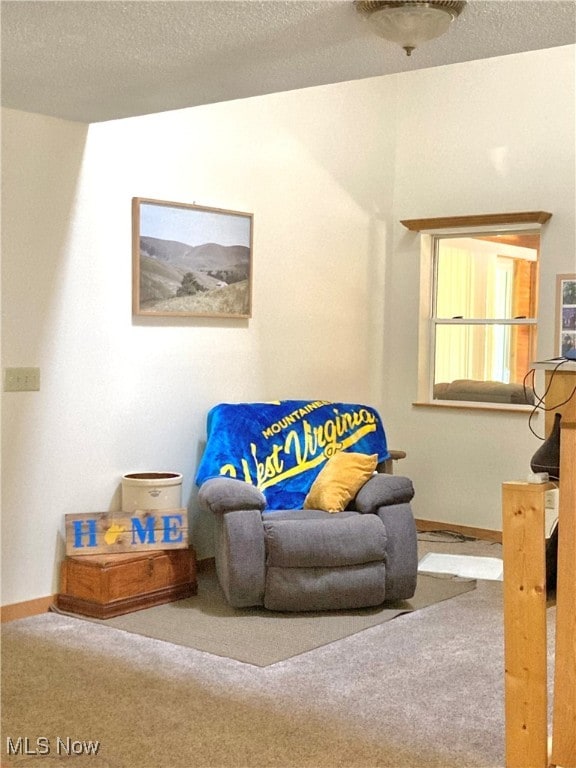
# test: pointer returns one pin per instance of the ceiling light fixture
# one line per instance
(410, 22)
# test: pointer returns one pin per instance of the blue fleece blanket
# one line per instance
(280, 447)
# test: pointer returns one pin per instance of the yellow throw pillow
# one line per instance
(340, 480)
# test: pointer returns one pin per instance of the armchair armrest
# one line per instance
(401, 551)
(238, 538)
(387, 465)
(226, 494)
(383, 491)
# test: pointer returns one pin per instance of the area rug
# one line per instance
(256, 636)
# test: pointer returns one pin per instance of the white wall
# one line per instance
(327, 172)
(120, 394)
(485, 137)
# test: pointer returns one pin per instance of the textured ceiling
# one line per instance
(104, 59)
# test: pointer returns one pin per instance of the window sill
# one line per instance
(469, 405)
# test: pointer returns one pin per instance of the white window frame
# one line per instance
(466, 226)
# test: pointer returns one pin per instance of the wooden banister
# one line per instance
(525, 600)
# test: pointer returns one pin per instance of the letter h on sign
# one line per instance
(79, 533)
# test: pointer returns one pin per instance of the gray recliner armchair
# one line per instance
(302, 521)
(312, 560)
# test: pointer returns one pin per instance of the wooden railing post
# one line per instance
(564, 718)
(525, 597)
(525, 687)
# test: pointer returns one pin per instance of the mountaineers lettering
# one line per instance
(303, 447)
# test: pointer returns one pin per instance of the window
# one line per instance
(478, 319)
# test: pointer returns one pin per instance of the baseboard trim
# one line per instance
(42, 604)
(486, 534)
(26, 609)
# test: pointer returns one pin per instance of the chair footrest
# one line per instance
(325, 589)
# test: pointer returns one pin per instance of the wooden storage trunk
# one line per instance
(103, 586)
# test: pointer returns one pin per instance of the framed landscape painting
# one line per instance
(190, 261)
(565, 313)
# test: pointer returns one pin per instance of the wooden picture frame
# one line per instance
(190, 261)
(565, 329)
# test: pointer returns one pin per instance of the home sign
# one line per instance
(97, 533)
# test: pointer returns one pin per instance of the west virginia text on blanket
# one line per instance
(280, 447)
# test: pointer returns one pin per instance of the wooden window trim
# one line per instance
(482, 220)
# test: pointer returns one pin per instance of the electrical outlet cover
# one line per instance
(21, 379)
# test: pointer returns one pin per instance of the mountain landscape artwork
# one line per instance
(191, 260)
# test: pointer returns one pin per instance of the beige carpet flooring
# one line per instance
(422, 691)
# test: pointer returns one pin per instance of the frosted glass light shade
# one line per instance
(409, 23)
(411, 26)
